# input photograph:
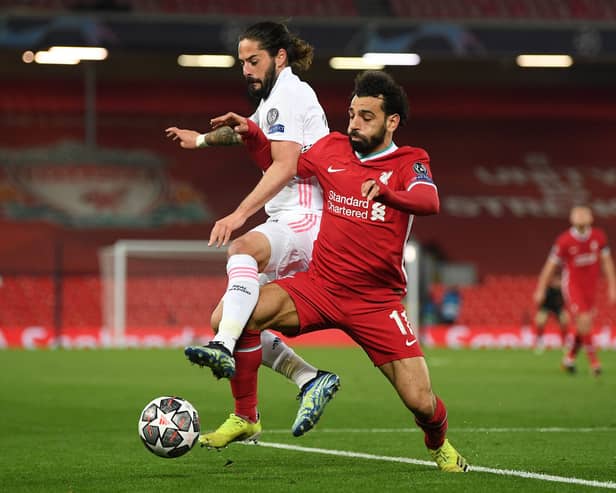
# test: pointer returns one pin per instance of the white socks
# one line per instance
(281, 358)
(239, 300)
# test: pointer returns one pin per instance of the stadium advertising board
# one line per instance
(455, 337)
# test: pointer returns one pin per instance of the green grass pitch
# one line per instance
(69, 421)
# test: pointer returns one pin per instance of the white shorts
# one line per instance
(291, 237)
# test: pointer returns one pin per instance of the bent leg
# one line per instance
(584, 326)
(275, 308)
(244, 424)
(583, 323)
(541, 318)
(284, 360)
(248, 254)
(563, 322)
(411, 379)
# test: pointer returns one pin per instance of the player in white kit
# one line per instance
(290, 115)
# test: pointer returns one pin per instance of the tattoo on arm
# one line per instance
(223, 136)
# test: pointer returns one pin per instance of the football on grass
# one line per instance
(169, 426)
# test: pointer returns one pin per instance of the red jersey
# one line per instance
(361, 243)
(580, 257)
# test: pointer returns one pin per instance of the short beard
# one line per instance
(256, 95)
(367, 144)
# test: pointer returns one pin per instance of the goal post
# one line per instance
(159, 283)
(412, 254)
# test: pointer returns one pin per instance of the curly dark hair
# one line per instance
(272, 36)
(380, 84)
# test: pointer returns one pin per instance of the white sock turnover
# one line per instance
(239, 300)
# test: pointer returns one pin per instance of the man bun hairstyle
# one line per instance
(272, 36)
(376, 83)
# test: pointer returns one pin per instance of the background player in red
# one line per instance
(581, 251)
(356, 280)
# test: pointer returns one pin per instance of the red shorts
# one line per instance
(578, 300)
(380, 328)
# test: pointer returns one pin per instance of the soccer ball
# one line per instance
(169, 426)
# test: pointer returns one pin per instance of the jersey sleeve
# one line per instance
(258, 145)
(415, 193)
(285, 118)
(604, 248)
(418, 171)
(420, 200)
(312, 155)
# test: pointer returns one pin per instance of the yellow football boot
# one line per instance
(448, 459)
(234, 429)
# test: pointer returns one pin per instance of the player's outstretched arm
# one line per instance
(610, 275)
(420, 200)
(284, 156)
(238, 123)
(191, 139)
(187, 138)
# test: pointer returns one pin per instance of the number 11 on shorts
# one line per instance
(404, 326)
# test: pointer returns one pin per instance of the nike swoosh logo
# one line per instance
(410, 343)
(334, 170)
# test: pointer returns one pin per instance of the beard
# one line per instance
(256, 94)
(366, 145)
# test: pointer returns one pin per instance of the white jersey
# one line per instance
(292, 113)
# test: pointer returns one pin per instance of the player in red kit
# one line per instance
(581, 251)
(372, 189)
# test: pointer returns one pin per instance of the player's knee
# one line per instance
(262, 317)
(584, 323)
(275, 309)
(240, 246)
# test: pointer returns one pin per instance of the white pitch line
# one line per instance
(408, 460)
(553, 429)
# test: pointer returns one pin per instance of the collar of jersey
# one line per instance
(388, 150)
(285, 73)
(579, 236)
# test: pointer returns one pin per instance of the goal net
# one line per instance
(159, 284)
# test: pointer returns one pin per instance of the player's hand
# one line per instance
(187, 138)
(370, 189)
(237, 122)
(539, 296)
(223, 228)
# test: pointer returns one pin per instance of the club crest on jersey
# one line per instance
(420, 168)
(272, 116)
(385, 176)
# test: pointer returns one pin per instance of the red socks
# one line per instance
(244, 383)
(591, 351)
(575, 347)
(436, 428)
